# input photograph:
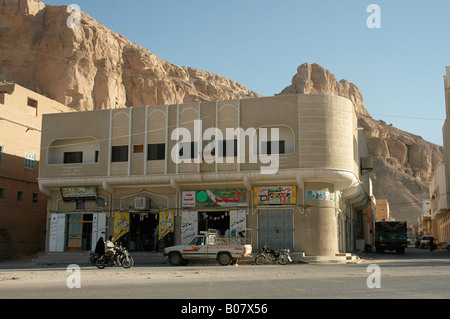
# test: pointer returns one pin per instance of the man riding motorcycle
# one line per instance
(110, 249)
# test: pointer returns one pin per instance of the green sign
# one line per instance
(215, 198)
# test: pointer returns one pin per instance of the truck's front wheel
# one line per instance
(175, 259)
(224, 259)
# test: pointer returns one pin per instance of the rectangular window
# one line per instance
(30, 160)
(73, 157)
(97, 153)
(266, 148)
(35, 197)
(20, 196)
(80, 205)
(119, 153)
(1, 153)
(138, 148)
(2, 193)
(32, 103)
(229, 148)
(188, 150)
(156, 152)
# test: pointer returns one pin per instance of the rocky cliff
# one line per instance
(403, 162)
(93, 67)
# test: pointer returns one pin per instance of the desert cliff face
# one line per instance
(403, 162)
(92, 67)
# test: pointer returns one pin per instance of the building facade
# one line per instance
(281, 170)
(440, 219)
(383, 211)
(23, 208)
(446, 132)
(370, 217)
(439, 224)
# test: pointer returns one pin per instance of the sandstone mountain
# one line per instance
(93, 67)
(403, 162)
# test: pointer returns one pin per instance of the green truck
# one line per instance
(391, 236)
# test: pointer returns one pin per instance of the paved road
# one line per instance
(417, 274)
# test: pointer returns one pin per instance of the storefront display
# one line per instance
(229, 223)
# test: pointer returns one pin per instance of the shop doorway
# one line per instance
(144, 232)
(276, 228)
(219, 221)
(79, 232)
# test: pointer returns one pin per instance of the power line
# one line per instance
(409, 117)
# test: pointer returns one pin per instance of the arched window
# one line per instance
(74, 150)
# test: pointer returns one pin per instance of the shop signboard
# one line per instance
(57, 232)
(70, 194)
(319, 195)
(166, 224)
(215, 198)
(189, 226)
(121, 224)
(238, 222)
(275, 195)
(188, 199)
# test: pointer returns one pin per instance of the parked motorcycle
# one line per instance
(268, 254)
(121, 258)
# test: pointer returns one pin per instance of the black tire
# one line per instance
(175, 259)
(100, 265)
(224, 259)
(284, 259)
(260, 259)
(100, 262)
(127, 262)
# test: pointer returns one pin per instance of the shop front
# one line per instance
(76, 225)
(77, 231)
(144, 231)
(224, 210)
(275, 215)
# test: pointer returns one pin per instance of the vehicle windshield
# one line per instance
(196, 241)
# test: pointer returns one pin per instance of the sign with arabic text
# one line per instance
(78, 193)
(275, 195)
(121, 224)
(320, 195)
(215, 198)
(166, 224)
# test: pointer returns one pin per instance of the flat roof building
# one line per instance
(286, 167)
(23, 208)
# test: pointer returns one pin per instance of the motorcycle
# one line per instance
(268, 254)
(121, 258)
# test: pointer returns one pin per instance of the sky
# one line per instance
(397, 60)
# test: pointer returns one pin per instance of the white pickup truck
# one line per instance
(226, 250)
